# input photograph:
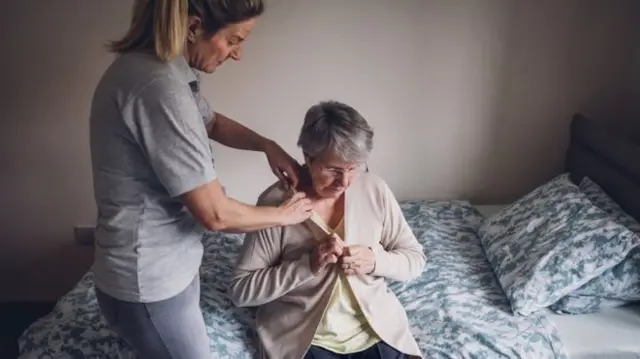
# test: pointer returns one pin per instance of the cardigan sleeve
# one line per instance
(399, 256)
(260, 276)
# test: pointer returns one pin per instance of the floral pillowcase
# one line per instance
(617, 286)
(551, 242)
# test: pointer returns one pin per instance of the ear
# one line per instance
(194, 28)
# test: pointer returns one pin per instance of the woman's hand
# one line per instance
(358, 260)
(326, 253)
(295, 210)
(285, 167)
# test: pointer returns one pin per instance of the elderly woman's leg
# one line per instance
(381, 351)
(321, 353)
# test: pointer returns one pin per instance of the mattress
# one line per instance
(609, 334)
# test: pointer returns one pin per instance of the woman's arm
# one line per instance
(400, 256)
(260, 276)
(215, 211)
(168, 130)
(232, 134)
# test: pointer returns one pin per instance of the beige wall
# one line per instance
(470, 99)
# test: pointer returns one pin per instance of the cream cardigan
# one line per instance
(273, 272)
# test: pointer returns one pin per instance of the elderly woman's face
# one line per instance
(206, 53)
(331, 176)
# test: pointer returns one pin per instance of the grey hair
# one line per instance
(332, 127)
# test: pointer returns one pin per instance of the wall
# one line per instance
(470, 99)
(634, 100)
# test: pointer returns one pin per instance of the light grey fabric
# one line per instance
(169, 329)
(148, 146)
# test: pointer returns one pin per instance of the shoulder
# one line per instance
(373, 185)
(273, 195)
(139, 74)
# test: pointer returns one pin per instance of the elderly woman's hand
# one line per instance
(358, 260)
(285, 167)
(326, 252)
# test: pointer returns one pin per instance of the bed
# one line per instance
(609, 334)
(458, 308)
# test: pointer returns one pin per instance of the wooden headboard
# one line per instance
(608, 157)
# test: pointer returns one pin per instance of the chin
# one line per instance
(210, 67)
(330, 193)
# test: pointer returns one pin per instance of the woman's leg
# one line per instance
(171, 329)
(381, 351)
(321, 353)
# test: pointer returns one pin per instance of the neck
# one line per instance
(304, 184)
(185, 53)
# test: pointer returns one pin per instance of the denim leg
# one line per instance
(168, 329)
(315, 352)
(381, 351)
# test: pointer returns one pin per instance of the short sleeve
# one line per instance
(204, 107)
(167, 124)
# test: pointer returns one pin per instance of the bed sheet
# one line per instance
(610, 334)
(613, 333)
(456, 307)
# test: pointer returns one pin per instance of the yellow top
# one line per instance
(343, 328)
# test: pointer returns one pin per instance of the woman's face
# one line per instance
(205, 52)
(331, 176)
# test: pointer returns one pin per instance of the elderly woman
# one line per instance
(155, 185)
(320, 285)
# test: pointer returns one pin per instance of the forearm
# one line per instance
(400, 264)
(238, 217)
(217, 212)
(235, 135)
(254, 288)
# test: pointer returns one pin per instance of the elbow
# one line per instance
(240, 302)
(218, 221)
(240, 293)
(216, 225)
(236, 296)
(218, 215)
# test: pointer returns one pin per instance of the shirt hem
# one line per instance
(160, 293)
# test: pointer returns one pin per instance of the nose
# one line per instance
(344, 180)
(236, 54)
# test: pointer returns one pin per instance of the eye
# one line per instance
(234, 40)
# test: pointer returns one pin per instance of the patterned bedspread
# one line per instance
(456, 308)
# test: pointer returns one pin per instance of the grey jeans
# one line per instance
(169, 329)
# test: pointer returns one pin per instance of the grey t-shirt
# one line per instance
(149, 145)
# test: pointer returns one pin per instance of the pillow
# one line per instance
(551, 242)
(600, 198)
(615, 287)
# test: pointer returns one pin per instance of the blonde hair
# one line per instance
(161, 25)
(158, 23)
